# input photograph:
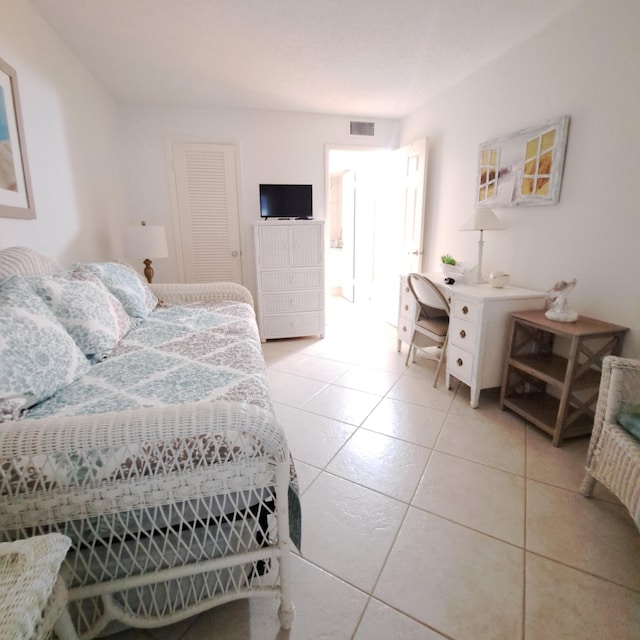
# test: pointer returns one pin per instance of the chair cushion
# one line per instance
(629, 419)
(94, 318)
(37, 356)
(126, 284)
(438, 326)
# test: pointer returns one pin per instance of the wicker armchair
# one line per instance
(614, 455)
(32, 597)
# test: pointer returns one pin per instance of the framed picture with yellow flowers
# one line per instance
(523, 168)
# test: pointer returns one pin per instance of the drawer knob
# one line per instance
(459, 362)
(406, 307)
(406, 289)
(465, 309)
(463, 333)
(404, 329)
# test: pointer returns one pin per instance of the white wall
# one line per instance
(273, 147)
(70, 130)
(584, 65)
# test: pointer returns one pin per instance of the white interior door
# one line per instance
(205, 213)
(399, 225)
(413, 160)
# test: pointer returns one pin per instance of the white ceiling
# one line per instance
(375, 58)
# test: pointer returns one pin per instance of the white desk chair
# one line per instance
(432, 317)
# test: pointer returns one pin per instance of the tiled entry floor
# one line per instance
(425, 519)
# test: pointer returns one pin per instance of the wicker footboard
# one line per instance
(170, 510)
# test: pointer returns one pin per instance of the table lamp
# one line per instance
(482, 220)
(149, 241)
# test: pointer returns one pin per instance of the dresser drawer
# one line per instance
(469, 311)
(292, 302)
(463, 333)
(292, 280)
(459, 363)
(292, 325)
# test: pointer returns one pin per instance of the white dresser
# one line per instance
(478, 329)
(290, 276)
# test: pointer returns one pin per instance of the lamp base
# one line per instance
(148, 270)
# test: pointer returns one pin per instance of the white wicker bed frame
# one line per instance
(189, 527)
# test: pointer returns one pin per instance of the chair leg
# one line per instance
(406, 362)
(441, 359)
(588, 484)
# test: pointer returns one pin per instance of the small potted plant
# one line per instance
(448, 266)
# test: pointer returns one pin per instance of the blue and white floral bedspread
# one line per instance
(187, 353)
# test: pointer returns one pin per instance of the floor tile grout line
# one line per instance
(583, 571)
(410, 505)
(410, 617)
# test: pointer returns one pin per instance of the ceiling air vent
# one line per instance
(362, 128)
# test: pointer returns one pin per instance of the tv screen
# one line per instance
(286, 201)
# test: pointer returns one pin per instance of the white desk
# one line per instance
(478, 329)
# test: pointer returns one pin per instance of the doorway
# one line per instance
(352, 197)
(375, 217)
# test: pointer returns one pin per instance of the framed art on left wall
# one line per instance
(16, 198)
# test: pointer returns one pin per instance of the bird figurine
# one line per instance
(558, 309)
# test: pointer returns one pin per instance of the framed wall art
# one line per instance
(16, 198)
(523, 168)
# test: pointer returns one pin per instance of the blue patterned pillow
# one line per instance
(126, 284)
(37, 356)
(629, 419)
(94, 318)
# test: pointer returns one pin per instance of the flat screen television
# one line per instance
(286, 201)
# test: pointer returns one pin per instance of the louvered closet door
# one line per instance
(207, 219)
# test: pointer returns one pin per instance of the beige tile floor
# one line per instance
(425, 519)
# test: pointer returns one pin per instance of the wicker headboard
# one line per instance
(25, 262)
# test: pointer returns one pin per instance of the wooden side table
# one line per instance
(557, 393)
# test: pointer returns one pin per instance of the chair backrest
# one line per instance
(430, 301)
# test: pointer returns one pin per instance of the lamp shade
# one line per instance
(147, 241)
(482, 220)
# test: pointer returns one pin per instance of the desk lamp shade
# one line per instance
(482, 220)
(148, 241)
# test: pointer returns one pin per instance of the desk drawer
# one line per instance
(405, 329)
(463, 333)
(469, 311)
(459, 363)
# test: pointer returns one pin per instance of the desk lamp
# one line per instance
(150, 241)
(482, 220)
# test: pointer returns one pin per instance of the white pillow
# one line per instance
(37, 356)
(21, 261)
(94, 318)
(126, 284)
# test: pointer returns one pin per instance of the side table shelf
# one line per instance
(556, 393)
